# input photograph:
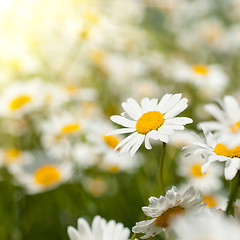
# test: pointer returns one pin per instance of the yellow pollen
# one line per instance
(200, 69)
(47, 175)
(163, 220)
(19, 102)
(220, 149)
(196, 171)
(210, 201)
(149, 121)
(111, 141)
(71, 128)
(235, 128)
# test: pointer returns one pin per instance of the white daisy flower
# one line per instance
(151, 120)
(20, 98)
(206, 226)
(41, 174)
(162, 210)
(205, 77)
(216, 149)
(100, 229)
(227, 117)
(190, 167)
(57, 131)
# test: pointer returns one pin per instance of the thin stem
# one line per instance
(161, 168)
(133, 236)
(235, 183)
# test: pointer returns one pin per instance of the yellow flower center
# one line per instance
(235, 128)
(163, 220)
(19, 102)
(196, 171)
(149, 121)
(200, 69)
(111, 141)
(11, 155)
(71, 128)
(211, 202)
(47, 175)
(220, 149)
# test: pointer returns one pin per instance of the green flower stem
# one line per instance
(161, 169)
(234, 187)
(133, 236)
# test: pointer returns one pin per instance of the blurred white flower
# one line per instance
(100, 229)
(189, 166)
(206, 226)
(42, 174)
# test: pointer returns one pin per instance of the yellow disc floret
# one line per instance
(19, 102)
(221, 149)
(196, 171)
(163, 220)
(149, 121)
(71, 128)
(200, 69)
(111, 141)
(47, 175)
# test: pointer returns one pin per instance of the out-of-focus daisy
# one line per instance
(215, 199)
(42, 174)
(205, 77)
(21, 97)
(227, 117)
(215, 149)
(206, 226)
(162, 211)
(9, 156)
(100, 229)
(57, 131)
(151, 120)
(190, 167)
(96, 186)
(110, 160)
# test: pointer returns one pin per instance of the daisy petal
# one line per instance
(123, 121)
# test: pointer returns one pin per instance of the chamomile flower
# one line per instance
(20, 98)
(57, 131)
(151, 120)
(217, 149)
(42, 174)
(14, 156)
(162, 210)
(190, 167)
(100, 229)
(227, 117)
(203, 76)
(206, 226)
